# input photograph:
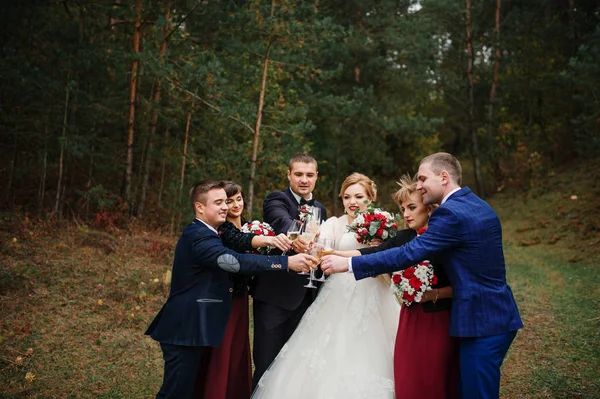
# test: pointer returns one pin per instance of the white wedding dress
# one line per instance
(343, 347)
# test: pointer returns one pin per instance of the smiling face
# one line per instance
(431, 185)
(214, 212)
(235, 204)
(302, 177)
(354, 199)
(414, 211)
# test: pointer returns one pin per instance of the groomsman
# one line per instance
(466, 231)
(280, 299)
(193, 319)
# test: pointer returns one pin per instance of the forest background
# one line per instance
(111, 110)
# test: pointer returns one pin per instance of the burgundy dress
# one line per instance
(425, 355)
(228, 368)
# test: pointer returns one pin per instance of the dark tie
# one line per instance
(310, 202)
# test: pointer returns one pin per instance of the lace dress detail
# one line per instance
(343, 347)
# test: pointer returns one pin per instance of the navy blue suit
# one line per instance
(466, 233)
(197, 309)
(280, 300)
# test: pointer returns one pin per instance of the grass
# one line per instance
(51, 282)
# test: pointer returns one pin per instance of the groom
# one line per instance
(280, 299)
(466, 231)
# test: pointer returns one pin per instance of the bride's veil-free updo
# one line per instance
(358, 178)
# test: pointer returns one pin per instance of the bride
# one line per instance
(343, 347)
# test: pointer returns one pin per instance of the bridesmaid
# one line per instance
(425, 356)
(229, 366)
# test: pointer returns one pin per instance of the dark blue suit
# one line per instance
(466, 232)
(197, 309)
(280, 300)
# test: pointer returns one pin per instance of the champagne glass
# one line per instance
(311, 226)
(324, 247)
(316, 214)
(314, 249)
(294, 230)
(293, 233)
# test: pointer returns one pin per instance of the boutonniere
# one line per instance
(304, 211)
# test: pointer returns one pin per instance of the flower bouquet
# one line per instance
(373, 223)
(410, 284)
(260, 229)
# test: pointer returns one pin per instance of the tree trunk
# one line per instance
(132, 96)
(63, 142)
(336, 180)
(42, 188)
(470, 104)
(261, 101)
(490, 116)
(11, 174)
(183, 161)
(154, 118)
(163, 168)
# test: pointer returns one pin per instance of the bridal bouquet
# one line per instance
(373, 223)
(260, 229)
(410, 284)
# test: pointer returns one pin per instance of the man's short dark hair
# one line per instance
(302, 157)
(444, 161)
(198, 192)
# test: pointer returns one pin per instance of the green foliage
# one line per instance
(363, 86)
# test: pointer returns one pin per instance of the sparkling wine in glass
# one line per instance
(293, 233)
(324, 246)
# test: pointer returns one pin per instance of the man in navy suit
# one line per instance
(280, 300)
(466, 231)
(197, 310)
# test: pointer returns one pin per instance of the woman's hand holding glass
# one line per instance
(281, 242)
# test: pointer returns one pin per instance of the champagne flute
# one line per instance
(314, 249)
(316, 214)
(293, 233)
(294, 230)
(324, 247)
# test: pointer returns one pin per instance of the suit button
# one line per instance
(231, 290)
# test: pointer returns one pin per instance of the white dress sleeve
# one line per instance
(327, 230)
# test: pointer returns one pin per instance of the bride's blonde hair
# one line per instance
(358, 178)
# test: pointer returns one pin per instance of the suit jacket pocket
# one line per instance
(209, 300)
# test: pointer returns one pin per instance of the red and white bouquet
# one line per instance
(260, 229)
(410, 284)
(373, 223)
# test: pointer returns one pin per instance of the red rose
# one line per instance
(407, 297)
(396, 278)
(379, 232)
(408, 273)
(415, 283)
(434, 280)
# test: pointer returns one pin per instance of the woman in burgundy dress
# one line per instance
(425, 356)
(229, 366)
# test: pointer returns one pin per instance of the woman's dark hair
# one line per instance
(232, 188)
